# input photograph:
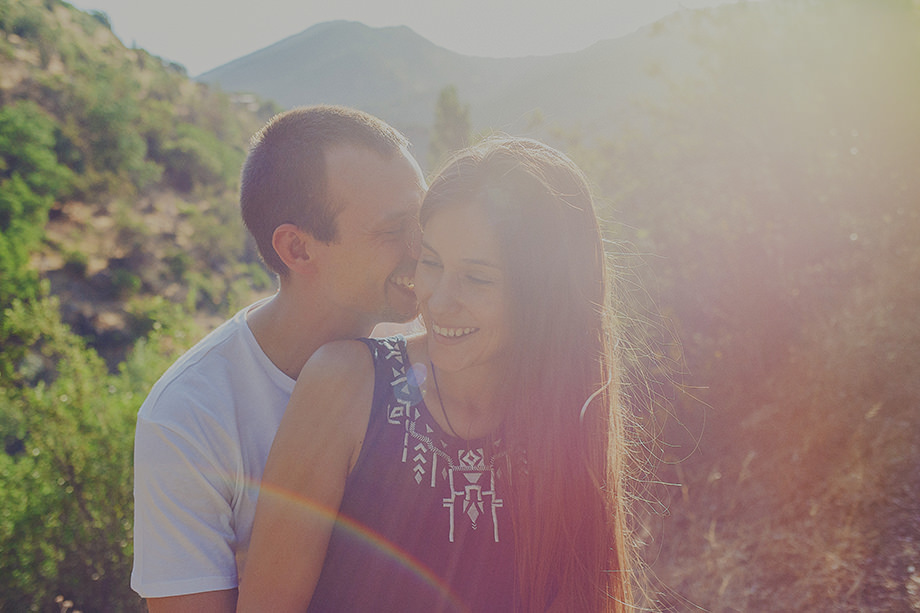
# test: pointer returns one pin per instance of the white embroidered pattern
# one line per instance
(469, 479)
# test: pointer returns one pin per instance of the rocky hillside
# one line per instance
(150, 210)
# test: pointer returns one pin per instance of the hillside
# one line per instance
(154, 159)
(776, 205)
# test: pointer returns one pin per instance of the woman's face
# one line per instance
(461, 286)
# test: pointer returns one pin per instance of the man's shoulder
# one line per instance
(207, 373)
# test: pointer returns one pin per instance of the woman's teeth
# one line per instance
(452, 332)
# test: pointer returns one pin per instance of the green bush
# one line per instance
(76, 263)
(194, 157)
(27, 148)
(65, 477)
(30, 177)
(102, 18)
(28, 24)
(126, 282)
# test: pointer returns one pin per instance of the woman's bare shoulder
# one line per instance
(335, 386)
(339, 358)
(335, 363)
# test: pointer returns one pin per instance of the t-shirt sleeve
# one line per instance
(183, 519)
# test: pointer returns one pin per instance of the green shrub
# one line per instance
(30, 177)
(102, 18)
(194, 157)
(126, 282)
(28, 24)
(66, 507)
(76, 263)
(259, 277)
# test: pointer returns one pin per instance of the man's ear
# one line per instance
(295, 247)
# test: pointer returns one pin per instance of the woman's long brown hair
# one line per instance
(562, 425)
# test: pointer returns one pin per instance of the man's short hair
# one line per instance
(284, 177)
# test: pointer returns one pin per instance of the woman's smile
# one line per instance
(461, 288)
(452, 332)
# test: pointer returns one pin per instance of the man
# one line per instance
(331, 197)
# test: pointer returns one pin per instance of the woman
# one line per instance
(479, 466)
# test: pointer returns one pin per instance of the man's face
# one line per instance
(368, 272)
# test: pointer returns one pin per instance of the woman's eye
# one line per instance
(429, 262)
(479, 280)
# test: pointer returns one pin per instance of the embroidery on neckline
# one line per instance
(470, 480)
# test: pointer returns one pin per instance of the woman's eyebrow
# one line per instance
(473, 261)
(429, 247)
(479, 262)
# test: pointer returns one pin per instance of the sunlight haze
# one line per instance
(203, 34)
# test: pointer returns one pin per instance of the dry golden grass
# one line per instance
(807, 496)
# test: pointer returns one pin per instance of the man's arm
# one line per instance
(183, 530)
(222, 601)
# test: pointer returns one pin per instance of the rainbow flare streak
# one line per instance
(377, 542)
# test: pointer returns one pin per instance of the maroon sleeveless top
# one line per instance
(424, 524)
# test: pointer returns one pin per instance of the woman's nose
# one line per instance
(444, 298)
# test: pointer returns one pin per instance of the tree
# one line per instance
(451, 126)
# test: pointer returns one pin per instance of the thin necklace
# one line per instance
(437, 390)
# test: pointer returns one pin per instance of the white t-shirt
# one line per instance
(203, 436)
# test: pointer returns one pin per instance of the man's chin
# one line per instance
(402, 325)
(402, 305)
(402, 317)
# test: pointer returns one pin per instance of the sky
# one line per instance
(204, 34)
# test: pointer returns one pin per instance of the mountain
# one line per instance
(345, 63)
(396, 74)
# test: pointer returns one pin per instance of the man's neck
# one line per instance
(289, 328)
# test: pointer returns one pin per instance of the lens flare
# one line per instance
(380, 544)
